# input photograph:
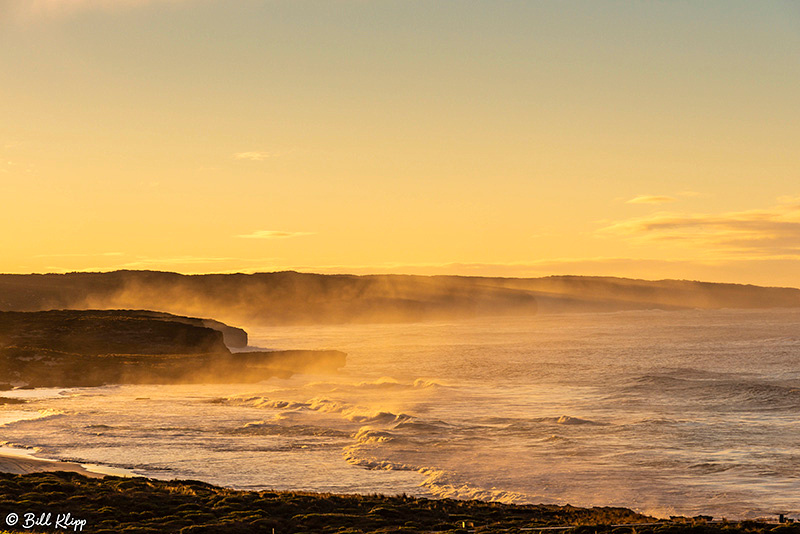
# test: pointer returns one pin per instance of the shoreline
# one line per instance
(540, 517)
(25, 465)
(22, 462)
(110, 505)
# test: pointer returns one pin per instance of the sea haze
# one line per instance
(669, 413)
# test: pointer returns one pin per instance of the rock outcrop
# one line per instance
(68, 348)
(234, 338)
(103, 332)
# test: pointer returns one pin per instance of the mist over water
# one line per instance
(666, 412)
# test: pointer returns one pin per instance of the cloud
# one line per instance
(146, 263)
(252, 156)
(772, 232)
(650, 199)
(80, 255)
(272, 234)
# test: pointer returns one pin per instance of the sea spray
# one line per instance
(684, 412)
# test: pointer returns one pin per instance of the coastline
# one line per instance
(22, 462)
(367, 391)
(112, 504)
(61, 501)
(22, 465)
(95, 489)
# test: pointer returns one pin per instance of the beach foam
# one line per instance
(684, 412)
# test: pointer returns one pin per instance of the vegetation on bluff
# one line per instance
(145, 506)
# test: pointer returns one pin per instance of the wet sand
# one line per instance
(21, 465)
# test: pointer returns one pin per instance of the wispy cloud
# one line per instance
(773, 232)
(272, 234)
(650, 199)
(252, 156)
(146, 263)
(81, 255)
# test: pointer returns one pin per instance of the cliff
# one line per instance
(232, 336)
(95, 332)
(68, 348)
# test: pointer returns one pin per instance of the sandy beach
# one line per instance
(23, 464)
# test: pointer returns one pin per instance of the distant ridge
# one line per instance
(289, 297)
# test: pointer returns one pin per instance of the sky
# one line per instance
(644, 139)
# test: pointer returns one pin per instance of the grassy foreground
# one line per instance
(139, 505)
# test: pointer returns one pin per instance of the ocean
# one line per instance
(666, 412)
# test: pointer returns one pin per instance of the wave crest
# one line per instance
(350, 412)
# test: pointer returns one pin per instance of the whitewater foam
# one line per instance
(681, 412)
(14, 417)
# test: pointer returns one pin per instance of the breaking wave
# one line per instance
(440, 482)
(20, 417)
(726, 392)
(271, 428)
(348, 411)
(663, 412)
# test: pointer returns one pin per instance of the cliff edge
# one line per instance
(70, 348)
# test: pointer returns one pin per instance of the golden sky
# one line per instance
(515, 138)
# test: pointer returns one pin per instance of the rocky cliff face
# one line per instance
(68, 348)
(232, 336)
(106, 332)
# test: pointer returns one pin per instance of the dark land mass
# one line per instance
(72, 348)
(592, 293)
(284, 298)
(232, 336)
(145, 506)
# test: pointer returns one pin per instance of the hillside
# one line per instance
(298, 298)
